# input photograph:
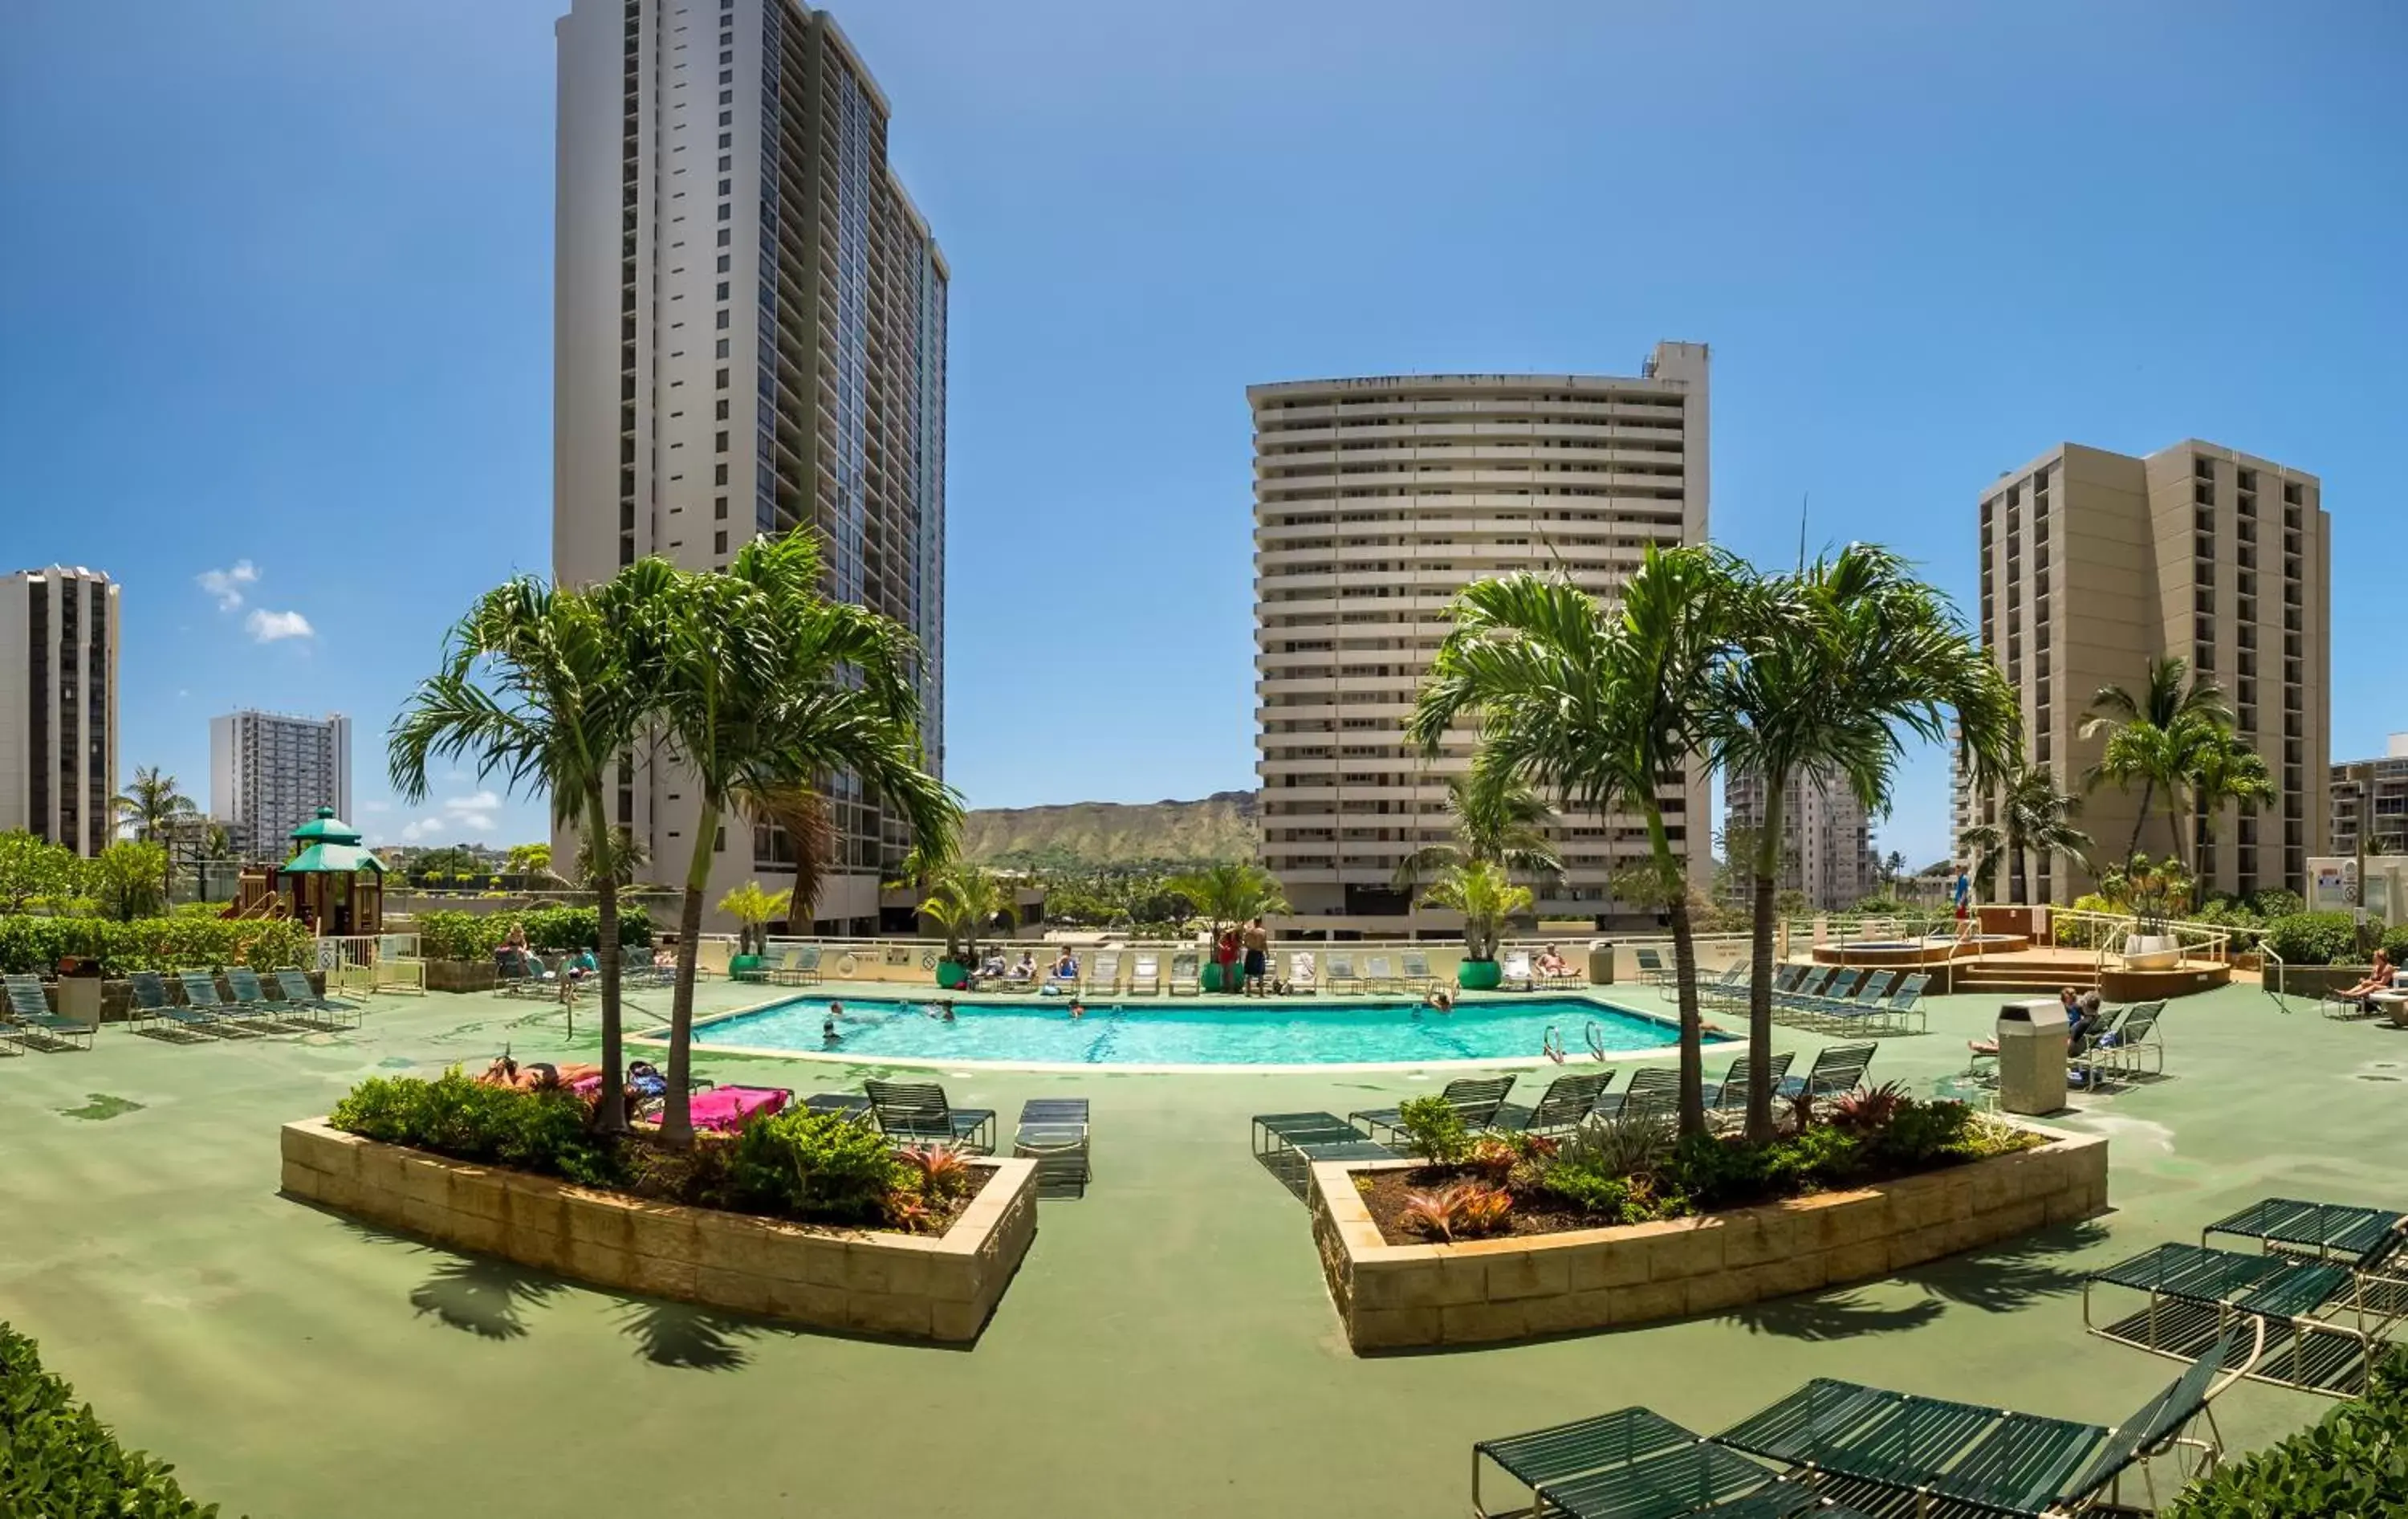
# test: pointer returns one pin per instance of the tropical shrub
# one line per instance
(2354, 1461)
(1633, 1145)
(2081, 934)
(1868, 1110)
(1466, 1211)
(182, 943)
(811, 1164)
(1920, 1132)
(463, 936)
(2394, 944)
(2313, 939)
(2276, 902)
(474, 936)
(57, 1458)
(544, 1132)
(1433, 1130)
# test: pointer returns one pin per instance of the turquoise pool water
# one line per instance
(1310, 1032)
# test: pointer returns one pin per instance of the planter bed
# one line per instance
(936, 1287)
(1519, 1286)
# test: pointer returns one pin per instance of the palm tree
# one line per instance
(151, 801)
(966, 899)
(546, 689)
(1833, 662)
(753, 909)
(1486, 897)
(1230, 893)
(1599, 706)
(2036, 819)
(1498, 819)
(1893, 870)
(2225, 767)
(2151, 735)
(766, 687)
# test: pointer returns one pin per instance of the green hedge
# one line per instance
(59, 1461)
(2314, 938)
(182, 943)
(474, 936)
(2354, 1462)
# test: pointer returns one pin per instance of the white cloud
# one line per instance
(269, 627)
(364, 807)
(226, 584)
(484, 801)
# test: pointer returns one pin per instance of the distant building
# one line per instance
(58, 706)
(2094, 565)
(1826, 839)
(269, 773)
(2371, 795)
(1375, 501)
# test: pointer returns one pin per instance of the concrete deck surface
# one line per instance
(1168, 1346)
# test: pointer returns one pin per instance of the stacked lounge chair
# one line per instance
(1288, 1145)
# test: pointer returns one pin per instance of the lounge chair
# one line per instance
(1514, 974)
(1728, 990)
(1288, 1145)
(1632, 1461)
(1838, 991)
(2318, 1335)
(250, 996)
(1145, 976)
(1474, 1098)
(1378, 974)
(2134, 1042)
(723, 1109)
(1104, 977)
(1867, 998)
(1804, 992)
(1055, 1132)
(1341, 974)
(1652, 969)
(30, 1021)
(1570, 978)
(1902, 1005)
(1880, 1450)
(152, 1002)
(768, 966)
(328, 1011)
(1653, 1091)
(1417, 979)
(917, 1112)
(802, 966)
(201, 992)
(1012, 984)
(1186, 975)
(2363, 1239)
(1302, 977)
(1837, 1068)
(1727, 1097)
(1564, 1104)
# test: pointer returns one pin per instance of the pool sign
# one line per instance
(2332, 885)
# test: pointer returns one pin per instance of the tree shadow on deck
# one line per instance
(1997, 1278)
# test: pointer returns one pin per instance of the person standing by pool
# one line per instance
(1225, 955)
(1258, 958)
(1963, 894)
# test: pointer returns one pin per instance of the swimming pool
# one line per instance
(1190, 1035)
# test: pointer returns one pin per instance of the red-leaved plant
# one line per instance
(1466, 1210)
(939, 1169)
(1492, 1159)
(1868, 1110)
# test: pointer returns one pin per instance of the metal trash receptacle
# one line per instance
(2032, 1057)
(1600, 962)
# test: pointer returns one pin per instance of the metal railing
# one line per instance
(2109, 936)
(371, 962)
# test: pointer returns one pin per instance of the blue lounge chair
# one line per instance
(1653, 1091)
(152, 1002)
(325, 1012)
(251, 999)
(1727, 1097)
(30, 1022)
(1565, 1104)
(1474, 1098)
(1288, 1145)
(917, 1112)
(1837, 1068)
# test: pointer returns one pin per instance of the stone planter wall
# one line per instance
(1392, 1296)
(910, 1286)
(461, 976)
(2315, 980)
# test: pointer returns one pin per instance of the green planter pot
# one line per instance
(1210, 979)
(1479, 975)
(743, 967)
(950, 975)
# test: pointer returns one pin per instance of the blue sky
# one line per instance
(276, 292)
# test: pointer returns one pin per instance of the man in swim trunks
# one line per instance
(1258, 959)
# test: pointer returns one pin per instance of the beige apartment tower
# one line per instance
(1826, 838)
(2094, 564)
(1375, 501)
(58, 706)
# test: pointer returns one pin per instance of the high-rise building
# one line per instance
(2094, 565)
(269, 773)
(748, 337)
(1375, 501)
(58, 706)
(1826, 838)
(2371, 795)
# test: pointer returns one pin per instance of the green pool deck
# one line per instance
(1168, 1347)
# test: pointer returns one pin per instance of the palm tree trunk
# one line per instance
(610, 1113)
(2017, 894)
(677, 1116)
(2174, 822)
(1759, 991)
(2148, 800)
(1684, 973)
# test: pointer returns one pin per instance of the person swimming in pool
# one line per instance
(827, 1030)
(1078, 1010)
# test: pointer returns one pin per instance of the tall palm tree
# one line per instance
(1486, 897)
(1498, 819)
(1601, 706)
(1833, 662)
(2225, 767)
(768, 687)
(2036, 817)
(966, 899)
(546, 688)
(150, 801)
(2151, 733)
(1230, 893)
(753, 909)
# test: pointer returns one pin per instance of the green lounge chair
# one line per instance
(1837, 1068)
(1288, 1145)
(1878, 1450)
(1342, 973)
(325, 1012)
(801, 967)
(252, 999)
(1727, 1097)
(152, 1002)
(1565, 1104)
(1632, 1464)
(917, 1112)
(2131, 1045)
(1653, 1093)
(1652, 969)
(2319, 1335)
(201, 992)
(1841, 990)
(768, 965)
(1728, 990)
(1186, 975)
(29, 1019)
(2362, 1239)
(1804, 989)
(1378, 974)
(1902, 1005)
(1474, 1098)
(1837, 1012)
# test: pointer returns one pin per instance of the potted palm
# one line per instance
(753, 909)
(963, 900)
(1229, 896)
(2154, 892)
(1486, 898)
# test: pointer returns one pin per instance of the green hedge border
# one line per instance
(2352, 1462)
(58, 1460)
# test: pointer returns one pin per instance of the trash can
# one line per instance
(1600, 962)
(79, 987)
(2032, 1057)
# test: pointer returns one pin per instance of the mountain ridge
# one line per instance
(1098, 835)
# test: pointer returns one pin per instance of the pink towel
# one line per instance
(585, 1086)
(728, 1106)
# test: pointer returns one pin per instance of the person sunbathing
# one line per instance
(2081, 1012)
(2378, 978)
(1550, 964)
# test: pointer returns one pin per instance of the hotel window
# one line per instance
(719, 541)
